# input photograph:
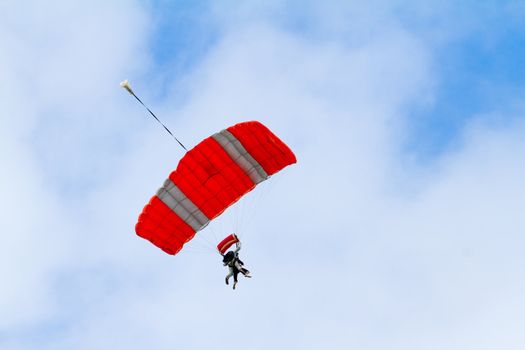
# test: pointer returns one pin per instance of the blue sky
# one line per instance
(400, 227)
(479, 74)
(477, 66)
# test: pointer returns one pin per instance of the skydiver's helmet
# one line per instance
(228, 257)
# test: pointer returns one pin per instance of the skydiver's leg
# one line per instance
(240, 266)
(229, 275)
(235, 273)
(246, 273)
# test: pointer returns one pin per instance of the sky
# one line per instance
(400, 227)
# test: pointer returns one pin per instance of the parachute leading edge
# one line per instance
(209, 178)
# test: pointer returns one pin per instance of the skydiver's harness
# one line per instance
(231, 259)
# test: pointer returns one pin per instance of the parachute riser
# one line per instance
(125, 85)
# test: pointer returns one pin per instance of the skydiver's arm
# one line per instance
(238, 244)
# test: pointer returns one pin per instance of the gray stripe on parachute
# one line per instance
(181, 205)
(240, 156)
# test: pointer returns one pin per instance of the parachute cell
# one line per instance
(209, 178)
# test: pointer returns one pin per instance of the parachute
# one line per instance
(208, 179)
(227, 243)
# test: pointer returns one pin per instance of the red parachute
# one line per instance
(209, 178)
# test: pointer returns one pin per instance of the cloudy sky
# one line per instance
(400, 227)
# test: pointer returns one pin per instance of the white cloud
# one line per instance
(57, 67)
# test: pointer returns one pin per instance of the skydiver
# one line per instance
(231, 259)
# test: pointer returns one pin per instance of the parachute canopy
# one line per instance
(209, 178)
(227, 243)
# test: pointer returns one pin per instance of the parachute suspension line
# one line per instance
(209, 244)
(239, 215)
(215, 237)
(248, 208)
(195, 250)
(213, 232)
(125, 85)
(201, 245)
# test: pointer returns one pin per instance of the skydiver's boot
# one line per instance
(226, 280)
(234, 284)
